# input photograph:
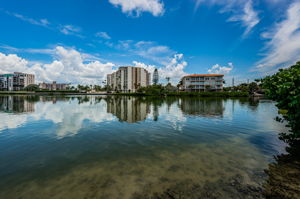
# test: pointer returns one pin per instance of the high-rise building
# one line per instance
(155, 77)
(128, 79)
(6, 82)
(15, 81)
(207, 82)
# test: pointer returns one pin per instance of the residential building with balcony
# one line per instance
(6, 82)
(53, 86)
(204, 82)
(128, 79)
(15, 81)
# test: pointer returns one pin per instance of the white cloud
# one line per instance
(147, 49)
(28, 50)
(242, 11)
(136, 7)
(70, 30)
(64, 29)
(218, 69)
(12, 63)
(103, 35)
(283, 47)
(39, 22)
(249, 17)
(174, 69)
(69, 66)
(149, 68)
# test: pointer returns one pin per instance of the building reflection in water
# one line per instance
(128, 109)
(202, 107)
(135, 109)
(53, 99)
(17, 104)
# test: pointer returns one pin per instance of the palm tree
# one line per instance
(207, 87)
(168, 79)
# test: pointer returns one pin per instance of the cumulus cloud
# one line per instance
(103, 35)
(242, 11)
(149, 68)
(69, 66)
(174, 69)
(283, 47)
(136, 7)
(218, 69)
(11, 63)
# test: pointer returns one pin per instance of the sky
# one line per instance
(81, 41)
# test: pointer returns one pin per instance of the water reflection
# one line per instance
(76, 147)
(68, 114)
(128, 109)
(204, 107)
(16, 104)
(64, 111)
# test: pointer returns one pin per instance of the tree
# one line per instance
(168, 79)
(284, 88)
(179, 85)
(207, 87)
(97, 88)
(31, 87)
(253, 87)
(170, 88)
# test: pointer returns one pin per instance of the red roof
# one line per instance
(205, 75)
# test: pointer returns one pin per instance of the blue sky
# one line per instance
(80, 41)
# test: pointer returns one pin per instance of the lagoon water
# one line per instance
(135, 147)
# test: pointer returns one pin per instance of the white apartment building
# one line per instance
(15, 81)
(53, 86)
(22, 80)
(6, 82)
(128, 79)
(205, 82)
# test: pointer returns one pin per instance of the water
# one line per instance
(129, 147)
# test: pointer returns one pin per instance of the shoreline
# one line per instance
(171, 94)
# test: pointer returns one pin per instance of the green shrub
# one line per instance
(284, 88)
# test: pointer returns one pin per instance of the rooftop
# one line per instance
(205, 75)
(6, 75)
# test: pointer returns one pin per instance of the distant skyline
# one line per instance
(81, 41)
